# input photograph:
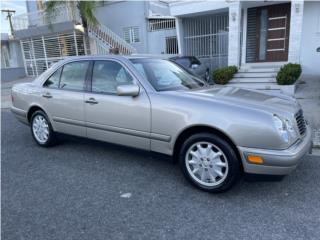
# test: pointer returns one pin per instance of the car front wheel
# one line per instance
(209, 162)
(41, 129)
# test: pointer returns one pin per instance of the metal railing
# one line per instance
(161, 24)
(41, 52)
(104, 35)
(63, 13)
(207, 37)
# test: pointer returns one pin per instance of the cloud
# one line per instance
(19, 6)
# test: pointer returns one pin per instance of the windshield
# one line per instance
(165, 75)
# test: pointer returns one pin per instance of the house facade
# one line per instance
(125, 27)
(12, 66)
(43, 41)
(145, 25)
(250, 33)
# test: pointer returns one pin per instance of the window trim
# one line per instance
(110, 60)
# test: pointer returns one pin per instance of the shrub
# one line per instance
(224, 75)
(288, 74)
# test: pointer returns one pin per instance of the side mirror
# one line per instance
(128, 90)
(194, 66)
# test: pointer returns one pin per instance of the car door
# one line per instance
(63, 98)
(123, 120)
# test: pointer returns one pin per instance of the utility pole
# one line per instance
(9, 17)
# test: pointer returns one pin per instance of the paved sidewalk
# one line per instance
(308, 95)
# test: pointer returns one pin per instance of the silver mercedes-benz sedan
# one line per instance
(153, 104)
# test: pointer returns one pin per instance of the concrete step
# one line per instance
(257, 86)
(264, 65)
(255, 75)
(264, 70)
(254, 80)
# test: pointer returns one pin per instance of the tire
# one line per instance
(48, 138)
(213, 171)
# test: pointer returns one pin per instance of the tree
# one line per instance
(85, 9)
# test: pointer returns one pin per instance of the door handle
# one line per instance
(91, 101)
(47, 95)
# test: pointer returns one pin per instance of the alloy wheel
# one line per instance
(206, 164)
(40, 129)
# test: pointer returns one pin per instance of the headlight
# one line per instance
(281, 128)
(290, 128)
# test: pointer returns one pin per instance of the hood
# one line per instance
(275, 103)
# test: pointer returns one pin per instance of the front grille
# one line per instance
(301, 123)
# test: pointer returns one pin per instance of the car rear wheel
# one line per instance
(41, 129)
(209, 162)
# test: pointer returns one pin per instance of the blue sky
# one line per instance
(19, 6)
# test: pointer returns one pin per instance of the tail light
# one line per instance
(12, 97)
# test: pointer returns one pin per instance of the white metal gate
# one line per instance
(206, 37)
(40, 53)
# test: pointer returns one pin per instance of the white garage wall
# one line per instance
(310, 58)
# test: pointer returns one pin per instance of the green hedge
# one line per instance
(288, 74)
(224, 75)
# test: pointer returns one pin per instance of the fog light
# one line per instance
(255, 159)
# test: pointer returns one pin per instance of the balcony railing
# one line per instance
(63, 13)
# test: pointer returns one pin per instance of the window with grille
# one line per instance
(161, 24)
(171, 45)
(131, 34)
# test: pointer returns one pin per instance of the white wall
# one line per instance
(118, 15)
(157, 40)
(309, 58)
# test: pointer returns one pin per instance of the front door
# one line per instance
(272, 36)
(123, 120)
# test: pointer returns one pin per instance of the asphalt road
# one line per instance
(85, 189)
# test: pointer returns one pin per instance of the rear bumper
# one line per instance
(20, 114)
(277, 162)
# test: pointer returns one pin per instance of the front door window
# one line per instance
(108, 75)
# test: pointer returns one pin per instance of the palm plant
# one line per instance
(84, 8)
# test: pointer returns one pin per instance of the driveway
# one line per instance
(308, 95)
(85, 189)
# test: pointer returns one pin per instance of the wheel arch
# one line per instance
(33, 109)
(187, 132)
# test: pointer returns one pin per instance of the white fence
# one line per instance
(161, 24)
(40, 53)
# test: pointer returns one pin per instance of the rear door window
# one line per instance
(73, 75)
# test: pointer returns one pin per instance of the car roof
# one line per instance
(133, 56)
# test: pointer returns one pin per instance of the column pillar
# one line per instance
(295, 31)
(179, 29)
(234, 47)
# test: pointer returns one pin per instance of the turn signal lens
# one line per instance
(255, 159)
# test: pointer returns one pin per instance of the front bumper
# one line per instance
(277, 162)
